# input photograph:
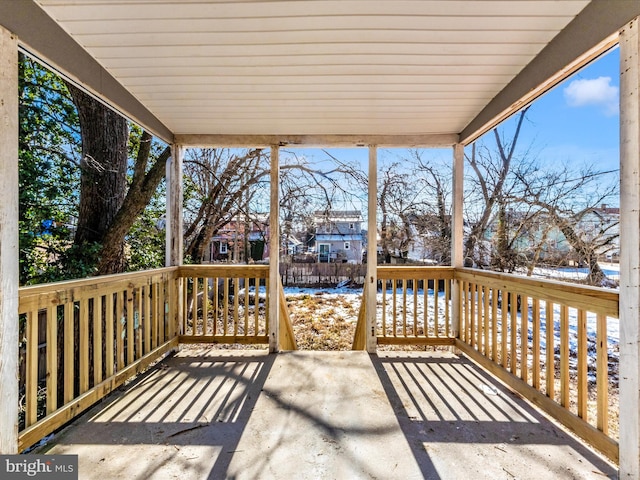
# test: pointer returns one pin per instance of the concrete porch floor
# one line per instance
(216, 414)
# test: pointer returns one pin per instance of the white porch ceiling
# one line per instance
(308, 67)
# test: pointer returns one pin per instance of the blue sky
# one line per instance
(578, 120)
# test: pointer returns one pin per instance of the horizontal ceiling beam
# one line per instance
(592, 32)
(42, 37)
(326, 141)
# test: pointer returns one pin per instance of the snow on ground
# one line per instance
(611, 270)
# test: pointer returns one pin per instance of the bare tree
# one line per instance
(491, 169)
(435, 221)
(414, 199)
(219, 185)
(223, 185)
(571, 201)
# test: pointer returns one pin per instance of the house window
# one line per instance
(223, 248)
(351, 226)
(347, 245)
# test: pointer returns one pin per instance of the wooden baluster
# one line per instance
(524, 338)
(472, 314)
(69, 367)
(564, 356)
(205, 306)
(494, 325)
(536, 343)
(384, 306)
(550, 369)
(425, 299)
(513, 309)
(97, 340)
(504, 327)
(404, 308)
(602, 372)
(246, 306)
(84, 345)
(486, 324)
(109, 350)
(52, 359)
(415, 307)
(31, 380)
(582, 364)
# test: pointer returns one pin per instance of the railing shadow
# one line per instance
(447, 402)
(197, 416)
(192, 407)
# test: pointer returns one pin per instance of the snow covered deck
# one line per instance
(208, 413)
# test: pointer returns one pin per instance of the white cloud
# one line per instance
(597, 92)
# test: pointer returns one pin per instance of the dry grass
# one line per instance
(322, 322)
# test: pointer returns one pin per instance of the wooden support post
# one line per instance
(274, 252)
(457, 233)
(629, 443)
(174, 223)
(174, 236)
(372, 252)
(9, 276)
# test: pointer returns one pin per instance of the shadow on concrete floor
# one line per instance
(216, 414)
(447, 403)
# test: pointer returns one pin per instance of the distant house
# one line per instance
(338, 236)
(228, 245)
(598, 224)
(293, 245)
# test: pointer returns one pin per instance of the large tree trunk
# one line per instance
(143, 186)
(109, 206)
(103, 168)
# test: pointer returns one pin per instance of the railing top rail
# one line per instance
(593, 299)
(214, 270)
(416, 272)
(72, 290)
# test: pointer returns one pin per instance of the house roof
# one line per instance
(347, 72)
(338, 216)
(338, 238)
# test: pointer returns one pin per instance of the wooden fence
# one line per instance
(321, 274)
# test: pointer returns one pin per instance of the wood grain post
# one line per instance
(457, 234)
(629, 443)
(372, 252)
(274, 252)
(174, 236)
(9, 276)
(174, 223)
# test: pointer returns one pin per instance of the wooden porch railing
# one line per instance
(225, 304)
(415, 306)
(99, 332)
(536, 335)
(505, 323)
(230, 304)
(102, 331)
